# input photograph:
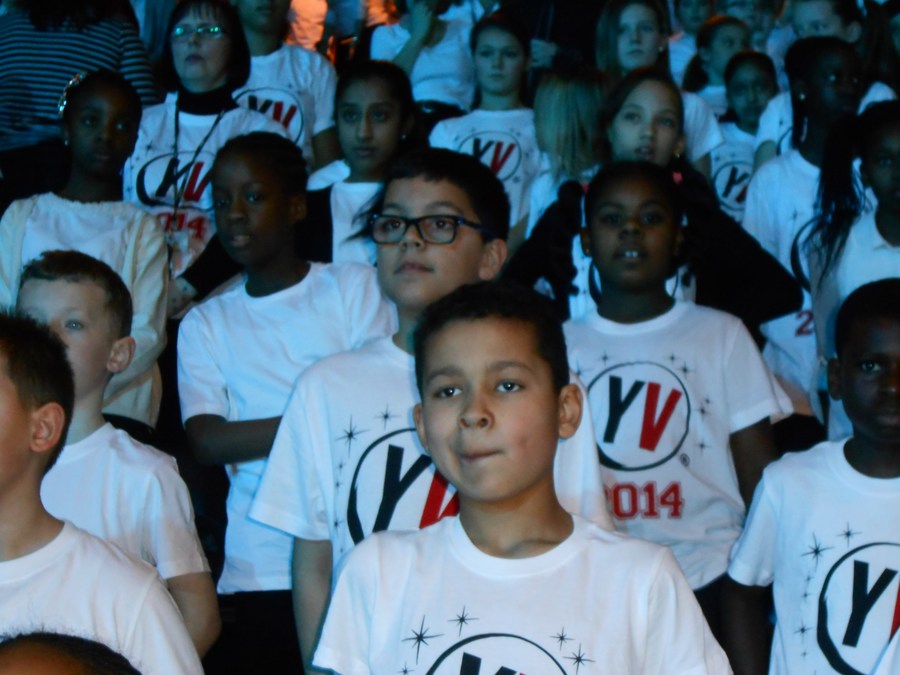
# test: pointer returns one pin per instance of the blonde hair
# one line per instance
(567, 120)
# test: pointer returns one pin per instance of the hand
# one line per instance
(543, 53)
(422, 20)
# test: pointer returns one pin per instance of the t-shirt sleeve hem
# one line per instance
(338, 662)
(748, 575)
(286, 522)
(177, 568)
(764, 409)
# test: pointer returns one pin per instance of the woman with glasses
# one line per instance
(205, 59)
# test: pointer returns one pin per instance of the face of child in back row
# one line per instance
(490, 415)
(500, 63)
(647, 127)
(640, 39)
(749, 90)
(817, 18)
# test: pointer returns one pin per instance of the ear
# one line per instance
(420, 427)
(408, 125)
(571, 404)
(493, 256)
(47, 427)
(120, 354)
(585, 235)
(679, 148)
(834, 379)
(297, 207)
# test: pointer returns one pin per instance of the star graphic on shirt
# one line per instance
(803, 630)
(685, 370)
(462, 619)
(351, 433)
(421, 637)
(672, 359)
(386, 416)
(817, 550)
(406, 670)
(561, 637)
(606, 357)
(848, 534)
(337, 522)
(702, 446)
(579, 659)
(149, 147)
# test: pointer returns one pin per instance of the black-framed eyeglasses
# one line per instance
(433, 229)
(181, 34)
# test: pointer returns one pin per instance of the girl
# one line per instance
(632, 34)
(855, 239)
(718, 39)
(824, 74)
(375, 115)
(749, 85)
(682, 46)
(206, 58)
(100, 116)
(500, 132)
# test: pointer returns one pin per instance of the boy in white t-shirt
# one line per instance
(346, 461)
(54, 576)
(136, 499)
(516, 584)
(823, 528)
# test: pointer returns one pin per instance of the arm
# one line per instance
(195, 595)
(422, 22)
(215, 440)
(745, 625)
(311, 568)
(753, 449)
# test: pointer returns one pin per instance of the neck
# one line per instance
(812, 148)
(407, 321)
(633, 307)
(747, 128)
(86, 417)
(873, 459)
(715, 79)
(276, 276)
(500, 101)
(209, 102)
(84, 188)
(888, 223)
(373, 176)
(25, 525)
(262, 43)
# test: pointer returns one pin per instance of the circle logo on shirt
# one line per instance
(731, 180)
(493, 653)
(281, 105)
(859, 607)
(642, 412)
(163, 178)
(498, 151)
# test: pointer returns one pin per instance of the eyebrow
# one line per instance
(496, 366)
(430, 207)
(642, 205)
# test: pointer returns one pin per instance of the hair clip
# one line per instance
(77, 79)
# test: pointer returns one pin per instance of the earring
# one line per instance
(804, 129)
(66, 142)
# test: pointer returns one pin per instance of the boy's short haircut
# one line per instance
(276, 152)
(95, 657)
(659, 176)
(38, 367)
(484, 190)
(75, 267)
(497, 300)
(877, 300)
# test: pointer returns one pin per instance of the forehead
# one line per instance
(200, 14)
(731, 31)
(632, 191)
(478, 344)
(637, 12)
(371, 91)
(84, 294)
(241, 166)
(873, 334)
(414, 197)
(497, 37)
(652, 95)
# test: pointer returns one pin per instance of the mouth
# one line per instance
(645, 152)
(630, 254)
(474, 456)
(238, 242)
(364, 152)
(410, 267)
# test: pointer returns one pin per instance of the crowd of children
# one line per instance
(330, 355)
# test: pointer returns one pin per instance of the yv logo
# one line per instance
(280, 112)
(471, 665)
(192, 178)
(859, 607)
(731, 181)
(496, 150)
(395, 478)
(281, 105)
(643, 410)
(491, 654)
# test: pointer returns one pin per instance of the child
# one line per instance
(67, 654)
(375, 118)
(821, 528)
(100, 116)
(683, 45)
(529, 584)
(500, 131)
(718, 39)
(291, 85)
(683, 447)
(852, 242)
(54, 576)
(239, 355)
(136, 499)
(346, 461)
(750, 82)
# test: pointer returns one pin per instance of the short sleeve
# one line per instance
(769, 122)
(201, 384)
(700, 127)
(368, 313)
(753, 555)
(387, 41)
(440, 136)
(325, 81)
(758, 210)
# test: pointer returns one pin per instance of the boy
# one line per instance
(515, 584)
(54, 576)
(823, 526)
(136, 499)
(346, 461)
(679, 394)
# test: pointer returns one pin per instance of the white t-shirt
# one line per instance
(127, 239)
(349, 202)
(665, 395)
(129, 494)
(294, 87)
(780, 204)
(153, 176)
(347, 461)
(504, 141)
(732, 168)
(80, 585)
(598, 600)
(238, 358)
(777, 120)
(328, 175)
(701, 131)
(716, 98)
(682, 48)
(828, 538)
(441, 73)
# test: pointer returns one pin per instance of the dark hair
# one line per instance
(800, 62)
(658, 176)
(280, 155)
(39, 369)
(877, 300)
(760, 60)
(238, 53)
(76, 267)
(396, 79)
(97, 658)
(78, 89)
(497, 300)
(606, 52)
(695, 75)
(55, 14)
(504, 22)
(484, 190)
(841, 195)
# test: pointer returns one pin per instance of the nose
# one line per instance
(635, 35)
(890, 382)
(476, 413)
(412, 238)
(364, 128)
